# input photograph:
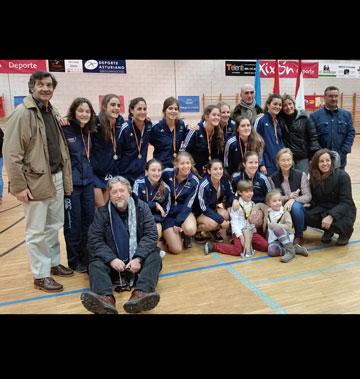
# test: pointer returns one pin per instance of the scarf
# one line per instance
(125, 237)
(250, 110)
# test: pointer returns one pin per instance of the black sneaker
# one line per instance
(200, 238)
(217, 236)
(342, 240)
(326, 237)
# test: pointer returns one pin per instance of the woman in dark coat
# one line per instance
(332, 206)
(299, 133)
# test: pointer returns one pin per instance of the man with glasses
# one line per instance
(247, 106)
(334, 125)
(123, 253)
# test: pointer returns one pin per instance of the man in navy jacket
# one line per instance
(334, 125)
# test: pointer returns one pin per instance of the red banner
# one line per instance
(22, 66)
(288, 69)
(122, 103)
(2, 110)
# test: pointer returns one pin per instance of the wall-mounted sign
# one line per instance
(240, 68)
(189, 103)
(112, 66)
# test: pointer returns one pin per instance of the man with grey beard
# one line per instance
(123, 252)
(247, 106)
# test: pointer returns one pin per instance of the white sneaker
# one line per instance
(162, 254)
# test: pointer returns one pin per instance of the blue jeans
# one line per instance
(298, 218)
(1, 178)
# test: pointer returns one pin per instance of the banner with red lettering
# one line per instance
(2, 110)
(288, 69)
(28, 66)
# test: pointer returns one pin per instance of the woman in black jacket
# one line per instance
(332, 206)
(299, 133)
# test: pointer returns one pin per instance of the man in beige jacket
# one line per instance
(38, 166)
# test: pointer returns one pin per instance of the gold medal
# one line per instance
(174, 155)
(209, 158)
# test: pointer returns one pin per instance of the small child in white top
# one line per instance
(238, 218)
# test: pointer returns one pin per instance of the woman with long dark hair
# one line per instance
(80, 205)
(332, 205)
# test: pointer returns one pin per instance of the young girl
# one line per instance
(280, 230)
(227, 125)
(80, 206)
(167, 135)
(238, 219)
(183, 184)
(245, 139)
(133, 141)
(214, 197)
(295, 189)
(155, 192)
(206, 142)
(105, 150)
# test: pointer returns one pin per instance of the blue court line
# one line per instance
(169, 274)
(339, 267)
(252, 287)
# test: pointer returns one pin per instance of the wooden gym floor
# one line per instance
(326, 282)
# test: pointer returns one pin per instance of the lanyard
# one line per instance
(138, 145)
(147, 191)
(87, 149)
(176, 195)
(208, 143)
(242, 152)
(275, 122)
(246, 216)
(114, 143)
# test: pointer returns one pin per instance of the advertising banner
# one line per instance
(22, 66)
(73, 65)
(56, 65)
(105, 66)
(240, 68)
(288, 69)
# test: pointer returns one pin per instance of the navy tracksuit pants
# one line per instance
(79, 214)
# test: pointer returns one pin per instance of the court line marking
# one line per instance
(252, 287)
(169, 274)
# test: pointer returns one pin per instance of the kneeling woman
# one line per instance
(215, 196)
(332, 206)
(180, 221)
(295, 190)
(155, 192)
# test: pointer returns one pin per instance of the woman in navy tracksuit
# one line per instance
(227, 124)
(105, 152)
(180, 221)
(133, 142)
(214, 197)
(206, 142)
(245, 139)
(80, 206)
(250, 172)
(155, 192)
(269, 126)
(167, 135)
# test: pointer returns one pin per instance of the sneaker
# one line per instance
(200, 238)
(187, 242)
(342, 240)
(217, 236)
(287, 257)
(300, 250)
(141, 301)
(162, 254)
(326, 237)
(208, 248)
